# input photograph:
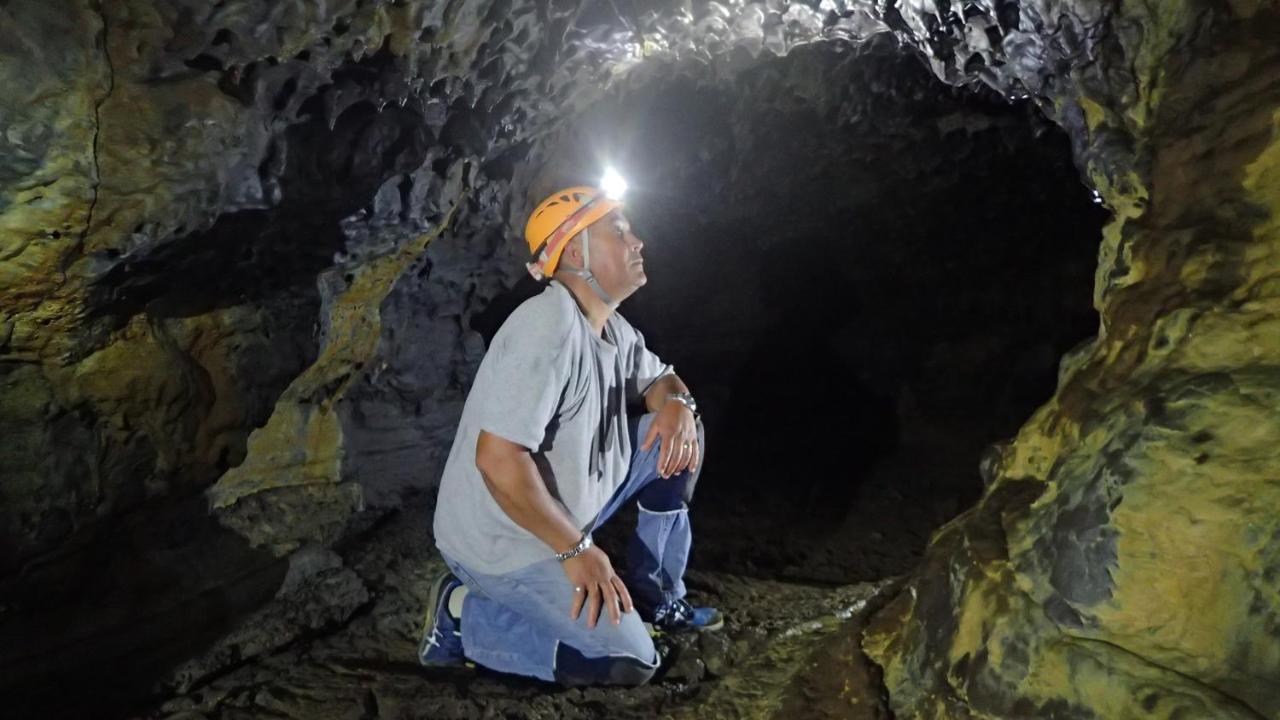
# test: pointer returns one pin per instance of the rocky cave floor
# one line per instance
(796, 590)
(366, 668)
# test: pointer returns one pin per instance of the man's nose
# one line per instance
(636, 243)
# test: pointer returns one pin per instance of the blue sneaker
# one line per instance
(441, 644)
(679, 616)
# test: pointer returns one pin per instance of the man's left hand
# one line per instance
(677, 430)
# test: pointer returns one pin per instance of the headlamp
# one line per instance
(613, 184)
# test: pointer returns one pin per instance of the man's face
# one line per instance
(615, 255)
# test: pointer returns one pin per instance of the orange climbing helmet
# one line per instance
(557, 219)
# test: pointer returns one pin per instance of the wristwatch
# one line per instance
(685, 399)
(576, 550)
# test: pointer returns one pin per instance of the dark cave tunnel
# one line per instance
(865, 286)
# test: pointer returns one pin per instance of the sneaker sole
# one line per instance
(436, 588)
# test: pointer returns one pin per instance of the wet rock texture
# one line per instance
(242, 244)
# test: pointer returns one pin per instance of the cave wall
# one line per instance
(1123, 564)
(177, 178)
(215, 219)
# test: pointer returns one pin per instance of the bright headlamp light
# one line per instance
(613, 184)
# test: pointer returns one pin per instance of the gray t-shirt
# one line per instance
(549, 383)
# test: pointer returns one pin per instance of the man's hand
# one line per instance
(595, 585)
(678, 431)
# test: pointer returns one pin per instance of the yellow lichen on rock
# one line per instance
(1162, 600)
(50, 129)
(1125, 561)
(301, 447)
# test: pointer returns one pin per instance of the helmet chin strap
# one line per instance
(586, 274)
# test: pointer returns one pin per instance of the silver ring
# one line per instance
(688, 445)
(577, 589)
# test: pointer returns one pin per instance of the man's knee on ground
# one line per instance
(574, 669)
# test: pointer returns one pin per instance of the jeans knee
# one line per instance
(633, 674)
(574, 669)
(665, 494)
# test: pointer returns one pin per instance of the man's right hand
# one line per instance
(595, 585)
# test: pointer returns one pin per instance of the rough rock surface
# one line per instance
(1124, 561)
(366, 666)
(318, 592)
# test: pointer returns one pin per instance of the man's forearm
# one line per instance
(517, 486)
(656, 396)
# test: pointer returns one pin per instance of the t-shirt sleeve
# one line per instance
(645, 367)
(521, 380)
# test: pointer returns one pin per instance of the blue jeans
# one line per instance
(519, 622)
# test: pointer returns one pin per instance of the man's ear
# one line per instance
(573, 252)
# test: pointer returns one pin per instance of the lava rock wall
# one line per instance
(176, 176)
(1125, 561)
(220, 218)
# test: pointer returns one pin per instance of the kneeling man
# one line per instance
(545, 453)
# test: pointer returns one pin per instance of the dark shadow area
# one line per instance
(88, 634)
